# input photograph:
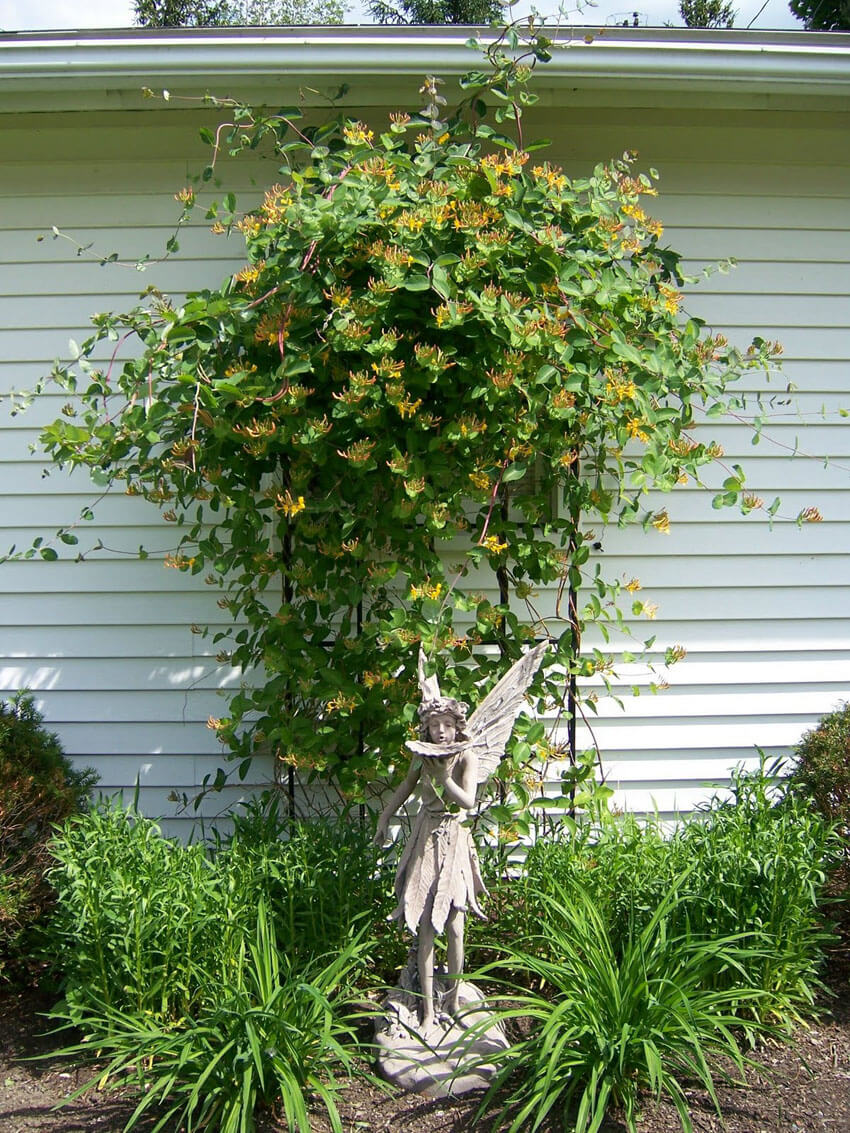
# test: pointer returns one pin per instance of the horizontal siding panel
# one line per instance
(749, 137)
(755, 669)
(82, 203)
(105, 643)
(166, 770)
(760, 310)
(813, 384)
(92, 577)
(799, 342)
(658, 735)
(667, 802)
(724, 542)
(669, 571)
(110, 674)
(779, 635)
(726, 210)
(177, 706)
(774, 277)
(119, 609)
(142, 738)
(30, 281)
(759, 243)
(158, 802)
(679, 703)
(713, 603)
(132, 243)
(780, 405)
(682, 572)
(766, 179)
(695, 507)
(769, 466)
(180, 672)
(708, 767)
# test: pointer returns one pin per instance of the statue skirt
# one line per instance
(438, 871)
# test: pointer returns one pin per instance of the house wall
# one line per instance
(106, 644)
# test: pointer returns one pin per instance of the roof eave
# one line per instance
(662, 59)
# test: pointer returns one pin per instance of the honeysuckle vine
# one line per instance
(442, 364)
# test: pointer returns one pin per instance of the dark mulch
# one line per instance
(799, 1088)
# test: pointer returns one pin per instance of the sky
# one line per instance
(37, 15)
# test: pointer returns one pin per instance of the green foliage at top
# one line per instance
(822, 15)
(239, 13)
(181, 13)
(707, 13)
(442, 362)
(38, 787)
(436, 11)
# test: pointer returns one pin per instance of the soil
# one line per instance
(802, 1087)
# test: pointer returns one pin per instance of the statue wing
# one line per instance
(491, 724)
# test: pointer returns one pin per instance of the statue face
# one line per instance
(442, 728)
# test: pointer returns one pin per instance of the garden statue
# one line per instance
(438, 879)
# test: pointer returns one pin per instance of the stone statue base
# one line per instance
(453, 1057)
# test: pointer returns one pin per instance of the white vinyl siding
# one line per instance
(765, 615)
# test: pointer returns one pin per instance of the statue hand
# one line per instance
(440, 769)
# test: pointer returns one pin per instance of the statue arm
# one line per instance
(400, 795)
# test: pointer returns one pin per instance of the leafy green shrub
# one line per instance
(611, 1018)
(754, 863)
(38, 787)
(278, 1032)
(822, 775)
(759, 863)
(319, 877)
(218, 978)
(148, 925)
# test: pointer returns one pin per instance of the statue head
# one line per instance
(433, 708)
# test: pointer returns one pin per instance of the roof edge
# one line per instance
(755, 62)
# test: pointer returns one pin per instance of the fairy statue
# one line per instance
(438, 879)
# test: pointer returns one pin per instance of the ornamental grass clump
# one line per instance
(277, 1035)
(608, 1022)
(443, 360)
(149, 926)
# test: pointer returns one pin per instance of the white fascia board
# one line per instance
(642, 59)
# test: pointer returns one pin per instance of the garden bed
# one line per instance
(802, 1088)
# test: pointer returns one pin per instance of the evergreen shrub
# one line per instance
(822, 776)
(38, 788)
